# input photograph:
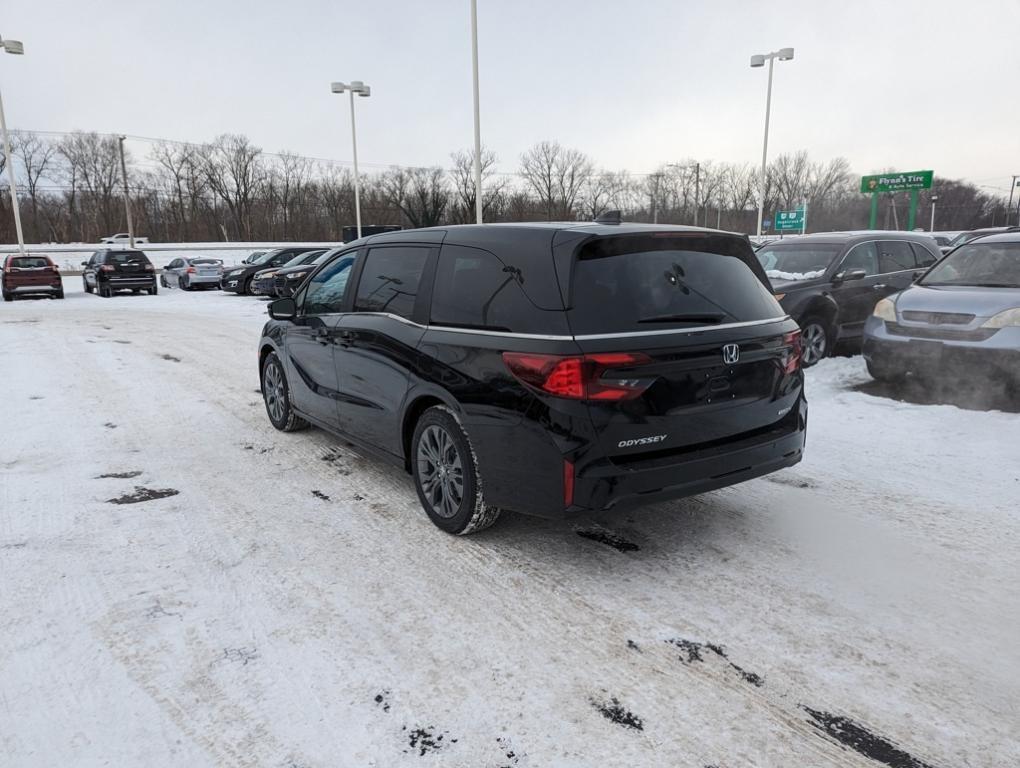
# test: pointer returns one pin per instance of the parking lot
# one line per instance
(191, 587)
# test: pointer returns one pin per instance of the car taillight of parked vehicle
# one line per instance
(794, 354)
(106, 268)
(579, 377)
(55, 268)
(191, 270)
(150, 268)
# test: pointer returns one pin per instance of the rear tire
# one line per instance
(8, 296)
(105, 291)
(446, 474)
(276, 395)
(60, 294)
(816, 338)
(153, 290)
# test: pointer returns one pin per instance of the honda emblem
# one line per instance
(730, 353)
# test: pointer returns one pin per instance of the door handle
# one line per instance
(322, 336)
(346, 337)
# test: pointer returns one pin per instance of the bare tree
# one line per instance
(556, 175)
(232, 167)
(36, 155)
(463, 175)
(422, 194)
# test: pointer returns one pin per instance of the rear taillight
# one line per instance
(190, 270)
(579, 377)
(106, 268)
(150, 268)
(568, 483)
(794, 352)
(55, 268)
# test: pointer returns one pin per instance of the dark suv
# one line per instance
(830, 283)
(548, 369)
(114, 270)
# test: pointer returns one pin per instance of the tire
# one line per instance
(162, 281)
(8, 296)
(85, 285)
(246, 286)
(276, 395)
(60, 295)
(153, 290)
(816, 338)
(185, 285)
(446, 474)
(105, 291)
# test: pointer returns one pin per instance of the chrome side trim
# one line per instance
(673, 331)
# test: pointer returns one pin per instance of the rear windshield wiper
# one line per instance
(707, 318)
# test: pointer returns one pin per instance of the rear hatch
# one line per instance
(30, 271)
(207, 267)
(128, 265)
(684, 343)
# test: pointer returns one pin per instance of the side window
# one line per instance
(389, 280)
(474, 289)
(325, 292)
(925, 258)
(863, 256)
(895, 256)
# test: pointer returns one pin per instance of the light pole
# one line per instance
(1009, 208)
(478, 119)
(354, 87)
(758, 60)
(127, 196)
(16, 48)
(934, 199)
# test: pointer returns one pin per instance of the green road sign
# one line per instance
(789, 220)
(896, 182)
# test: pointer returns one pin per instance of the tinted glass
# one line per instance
(29, 262)
(206, 262)
(924, 257)
(797, 261)
(981, 264)
(895, 256)
(126, 257)
(474, 289)
(265, 258)
(325, 292)
(666, 282)
(389, 281)
(863, 256)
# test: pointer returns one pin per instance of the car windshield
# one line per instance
(797, 261)
(265, 257)
(301, 258)
(991, 265)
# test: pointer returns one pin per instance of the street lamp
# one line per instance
(478, 120)
(354, 87)
(15, 47)
(758, 60)
(934, 199)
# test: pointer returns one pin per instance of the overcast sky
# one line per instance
(905, 85)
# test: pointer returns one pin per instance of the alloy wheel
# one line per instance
(274, 392)
(815, 343)
(440, 471)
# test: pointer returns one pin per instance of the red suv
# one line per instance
(24, 275)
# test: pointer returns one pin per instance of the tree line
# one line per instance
(71, 190)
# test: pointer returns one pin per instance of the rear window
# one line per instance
(206, 262)
(644, 283)
(126, 257)
(29, 262)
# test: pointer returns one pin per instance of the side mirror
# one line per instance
(84, 263)
(283, 309)
(851, 274)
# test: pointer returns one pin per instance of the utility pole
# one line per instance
(934, 199)
(1009, 208)
(697, 191)
(478, 119)
(127, 198)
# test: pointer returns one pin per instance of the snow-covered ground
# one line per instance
(286, 603)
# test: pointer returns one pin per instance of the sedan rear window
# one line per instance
(206, 262)
(126, 257)
(644, 283)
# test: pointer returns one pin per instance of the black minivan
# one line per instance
(548, 369)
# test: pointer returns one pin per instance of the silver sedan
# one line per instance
(193, 272)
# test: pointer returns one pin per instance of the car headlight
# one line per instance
(886, 310)
(1007, 319)
(296, 275)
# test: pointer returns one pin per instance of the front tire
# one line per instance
(276, 394)
(816, 338)
(247, 286)
(446, 474)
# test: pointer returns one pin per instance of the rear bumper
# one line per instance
(998, 355)
(606, 485)
(203, 280)
(117, 283)
(47, 288)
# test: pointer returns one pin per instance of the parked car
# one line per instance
(962, 316)
(973, 234)
(830, 283)
(123, 238)
(192, 272)
(264, 283)
(561, 368)
(251, 257)
(28, 275)
(288, 279)
(108, 271)
(240, 279)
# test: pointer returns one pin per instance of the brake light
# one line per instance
(106, 268)
(150, 268)
(55, 268)
(579, 377)
(190, 270)
(793, 356)
(568, 483)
